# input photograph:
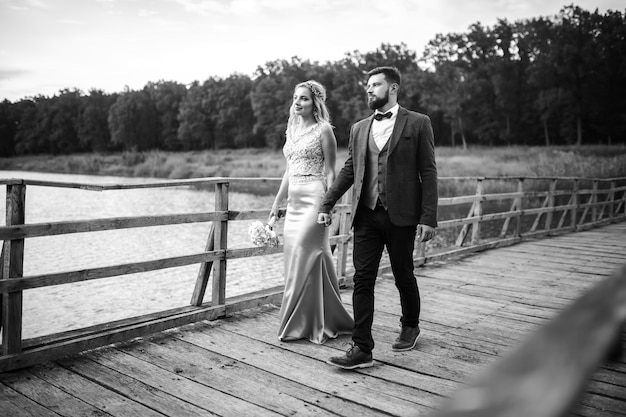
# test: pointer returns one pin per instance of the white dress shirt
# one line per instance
(381, 129)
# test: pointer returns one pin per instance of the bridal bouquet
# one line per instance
(263, 234)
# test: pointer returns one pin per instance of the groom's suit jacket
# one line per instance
(411, 180)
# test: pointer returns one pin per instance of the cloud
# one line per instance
(266, 8)
(9, 74)
(147, 13)
(204, 7)
(131, 42)
(72, 22)
(29, 4)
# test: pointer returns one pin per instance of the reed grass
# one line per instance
(585, 161)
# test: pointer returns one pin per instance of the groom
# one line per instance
(391, 166)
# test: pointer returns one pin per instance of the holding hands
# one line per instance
(324, 218)
(425, 232)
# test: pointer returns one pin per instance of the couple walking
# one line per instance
(392, 171)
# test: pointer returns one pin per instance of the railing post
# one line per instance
(549, 214)
(520, 207)
(13, 267)
(220, 243)
(594, 201)
(575, 187)
(611, 198)
(345, 220)
(205, 271)
(478, 211)
(460, 239)
(421, 250)
(1, 277)
(620, 204)
(516, 206)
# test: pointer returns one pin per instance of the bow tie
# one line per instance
(381, 116)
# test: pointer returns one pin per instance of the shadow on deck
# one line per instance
(474, 310)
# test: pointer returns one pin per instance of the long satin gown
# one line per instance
(311, 308)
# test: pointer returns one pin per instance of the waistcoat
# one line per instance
(375, 174)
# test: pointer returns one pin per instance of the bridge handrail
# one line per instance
(546, 374)
(580, 208)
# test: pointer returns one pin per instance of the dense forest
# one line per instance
(558, 80)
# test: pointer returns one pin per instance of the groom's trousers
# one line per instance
(372, 232)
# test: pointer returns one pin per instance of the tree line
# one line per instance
(558, 80)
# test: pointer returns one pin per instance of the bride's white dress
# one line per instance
(311, 307)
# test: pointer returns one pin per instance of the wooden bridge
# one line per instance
(524, 330)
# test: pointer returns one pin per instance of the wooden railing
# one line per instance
(518, 207)
(546, 374)
(530, 207)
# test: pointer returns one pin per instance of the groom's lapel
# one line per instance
(364, 137)
(401, 120)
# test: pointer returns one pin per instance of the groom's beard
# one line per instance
(378, 102)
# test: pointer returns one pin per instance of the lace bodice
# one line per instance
(303, 151)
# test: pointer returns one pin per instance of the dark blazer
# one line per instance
(411, 181)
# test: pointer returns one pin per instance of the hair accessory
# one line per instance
(321, 95)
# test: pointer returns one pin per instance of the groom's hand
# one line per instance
(324, 218)
(425, 232)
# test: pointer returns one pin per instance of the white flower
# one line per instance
(262, 235)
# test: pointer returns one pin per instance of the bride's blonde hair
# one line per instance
(318, 94)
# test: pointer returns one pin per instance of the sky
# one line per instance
(50, 45)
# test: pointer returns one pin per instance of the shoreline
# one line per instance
(598, 161)
(156, 164)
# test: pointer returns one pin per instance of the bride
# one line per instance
(311, 307)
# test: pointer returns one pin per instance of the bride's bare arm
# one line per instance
(282, 192)
(329, 148)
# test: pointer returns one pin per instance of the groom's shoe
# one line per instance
(353, 359)
(407, 339)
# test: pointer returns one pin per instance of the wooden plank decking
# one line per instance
(475, 310)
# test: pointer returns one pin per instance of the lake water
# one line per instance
(65, 307)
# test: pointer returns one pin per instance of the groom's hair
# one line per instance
(392, 74)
